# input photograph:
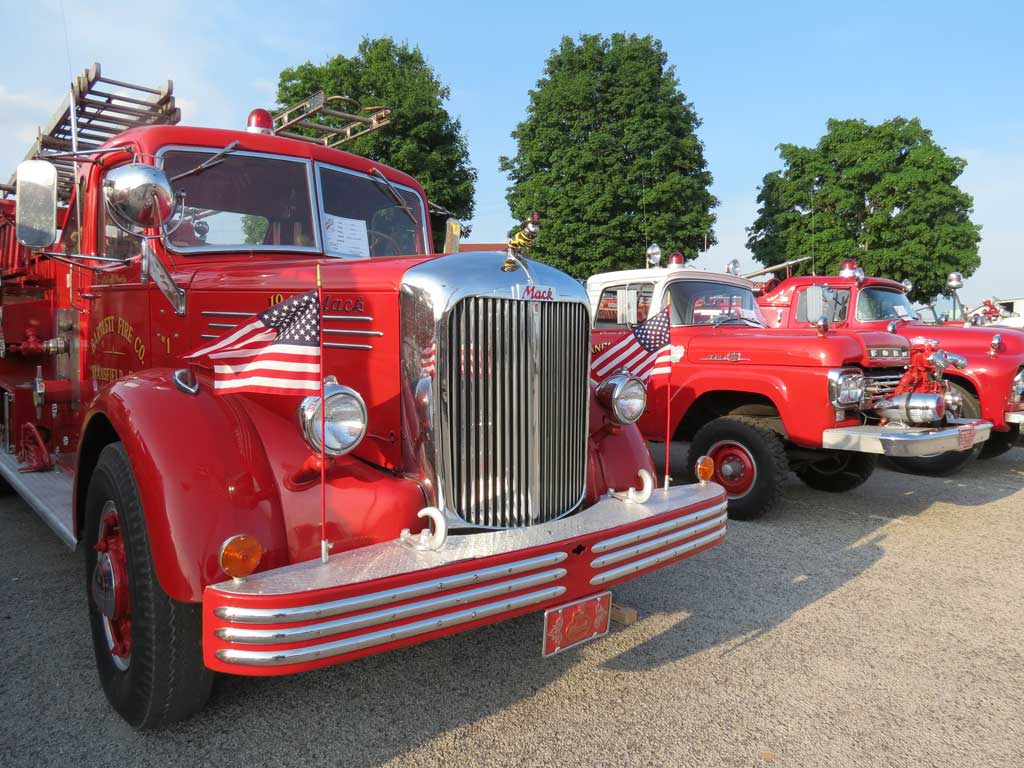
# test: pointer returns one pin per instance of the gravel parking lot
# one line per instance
(880, 627)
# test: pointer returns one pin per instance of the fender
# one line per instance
(615, 454)
(201, 471)
(800, 397)
(992, 388)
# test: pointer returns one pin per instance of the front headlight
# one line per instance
(345, 420)
(624, 395)
(1017, 389)
(846, 388)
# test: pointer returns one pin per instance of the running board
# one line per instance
(48, 493)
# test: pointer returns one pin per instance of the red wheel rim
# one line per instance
(109, 586)
(735, 468)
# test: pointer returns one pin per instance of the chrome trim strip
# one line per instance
(653, 544)
(339, 345)
(367, 640)
(373, 599)
(215, 313)
(360, 621)
(222, 325)
(356, 318)
(208, 336)
(348, 332)
(654, 530)
(661, 557)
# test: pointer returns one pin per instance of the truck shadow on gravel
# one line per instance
(769, 569)
(373, 710)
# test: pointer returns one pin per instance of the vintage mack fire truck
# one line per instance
(823, 402)
(989, 385)
(472, 474)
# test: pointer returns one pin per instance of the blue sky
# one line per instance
(757, 73)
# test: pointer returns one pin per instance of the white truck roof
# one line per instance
(660, 276)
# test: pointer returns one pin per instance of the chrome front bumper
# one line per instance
(1014, 417)
(386, 595)
(907, 441)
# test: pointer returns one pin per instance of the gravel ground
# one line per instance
(881, 627)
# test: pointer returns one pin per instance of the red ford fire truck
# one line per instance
(989, 384)
(822, 401)
(472, 474)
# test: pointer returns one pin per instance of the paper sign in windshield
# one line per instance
(346, 237)
(900, 310)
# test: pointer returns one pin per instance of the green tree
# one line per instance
(609, 155)
(884, 195)
(422, 139)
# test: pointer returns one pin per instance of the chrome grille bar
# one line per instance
(514, 410)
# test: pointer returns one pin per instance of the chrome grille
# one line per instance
(514, 409)
(878, 385)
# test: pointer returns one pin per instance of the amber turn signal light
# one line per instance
(240, 556)
(704, 469)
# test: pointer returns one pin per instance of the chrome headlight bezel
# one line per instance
(309, 417)
(1017, 387)
(614, 392)
(846, 388)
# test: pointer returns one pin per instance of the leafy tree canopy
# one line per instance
(609, 155)
(422, 139)
(884, 195)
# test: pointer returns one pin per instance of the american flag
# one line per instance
(276, 351)
(643, 352)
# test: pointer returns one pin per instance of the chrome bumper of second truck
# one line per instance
(906, 441)
(390, 593)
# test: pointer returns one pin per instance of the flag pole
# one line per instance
(325, 545)
(668, 388)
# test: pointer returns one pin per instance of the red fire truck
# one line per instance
(990, 384)
(822, 401)
(472, 474)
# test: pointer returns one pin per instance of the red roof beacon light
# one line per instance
(260, 121)
(676, 260)
(848, 268)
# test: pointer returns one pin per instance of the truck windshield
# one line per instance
(703, 302)
(362, 218)
(245, 202)
(883, 304)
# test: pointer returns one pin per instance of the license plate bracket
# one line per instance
(569, 625)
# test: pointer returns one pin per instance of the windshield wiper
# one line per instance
(395, 195)
(723, 319)
(215, 160)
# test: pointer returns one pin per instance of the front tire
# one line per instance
(947, 463)
(750, 463)
(148, 646)
(838, 472)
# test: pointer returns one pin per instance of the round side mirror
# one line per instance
(138, 196)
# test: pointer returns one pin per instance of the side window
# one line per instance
(837, 304)
(607, 315)
(608, 306)
(645, 292)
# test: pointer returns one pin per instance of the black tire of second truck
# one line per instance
(148, 646)
(947, 463)
(839, 472)
(760, 447)
(999, 443)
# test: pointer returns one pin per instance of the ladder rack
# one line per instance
(314, 114)
(103, 108)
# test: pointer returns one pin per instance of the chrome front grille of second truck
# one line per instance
(514, 410)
